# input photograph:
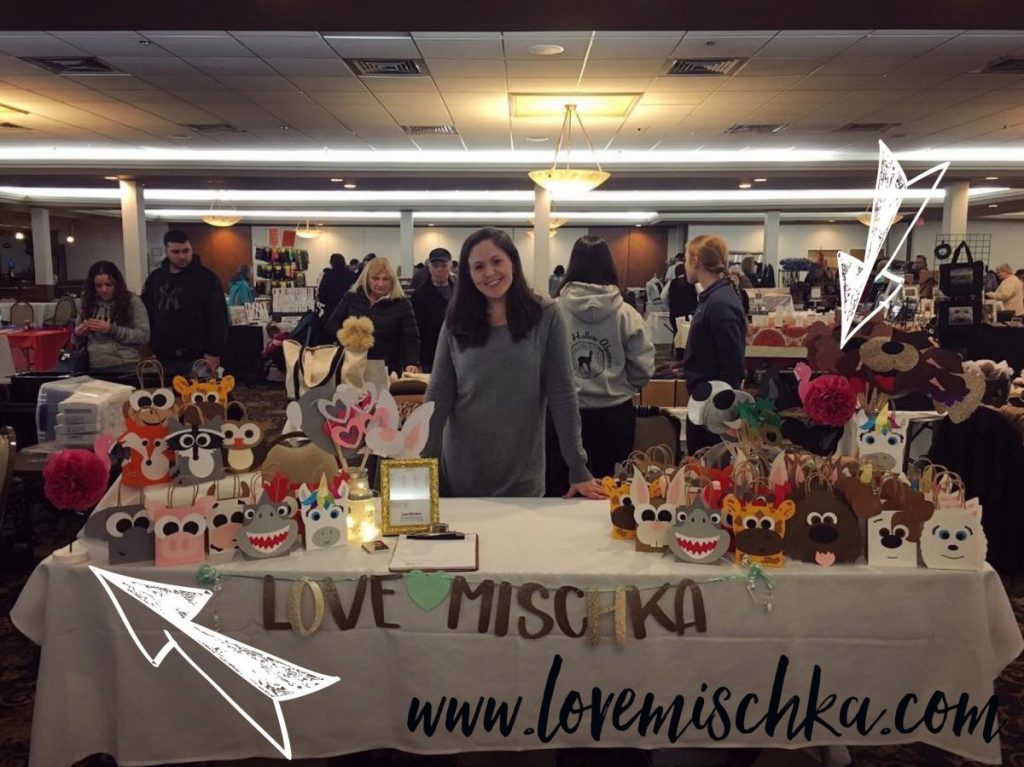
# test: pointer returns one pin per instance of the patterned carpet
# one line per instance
(21, 658)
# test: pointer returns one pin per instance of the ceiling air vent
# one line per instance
(387, 67)
(762, 129)
(212, 127)
(72, 65)
(866, 127)
(691, 67)
(12, 126)
(420, 130)
(1004, 67)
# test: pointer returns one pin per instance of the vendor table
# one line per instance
(658, 324)
(856, 632)
(35, 350)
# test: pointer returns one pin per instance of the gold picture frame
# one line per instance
(415, 513)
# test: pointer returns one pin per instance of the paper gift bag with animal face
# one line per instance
(142, 448)
(824, 530)
(180, 532)
(243, 441)
(759, 525)
(197, 451)
(653, 522)
(226, 517)
(881, 439)
(127, 530)
(325, 514)
(697, 534)
(269, 530)
(621, 508)
(894, 533)
(954, 539)
(210, 397)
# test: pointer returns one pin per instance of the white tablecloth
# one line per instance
(873, 633)
(657, 323)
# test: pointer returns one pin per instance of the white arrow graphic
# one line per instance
(278, 679)
(854, 274)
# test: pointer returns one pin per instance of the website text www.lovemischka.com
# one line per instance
(717, 711)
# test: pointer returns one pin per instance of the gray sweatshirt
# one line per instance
(121, 345)
(490, 403)
(610, 346)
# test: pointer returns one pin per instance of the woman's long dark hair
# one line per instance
(591, 262)
(122, 302)
(467, 313)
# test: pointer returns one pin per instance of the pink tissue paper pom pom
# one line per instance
(74, 479)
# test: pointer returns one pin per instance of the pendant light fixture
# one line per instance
(221, 217)
(308, 232)
(570, 180)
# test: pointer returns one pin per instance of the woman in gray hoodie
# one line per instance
(612, 356)
(114, 321)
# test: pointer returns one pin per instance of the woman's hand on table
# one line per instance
(82, 329)
(591, 489)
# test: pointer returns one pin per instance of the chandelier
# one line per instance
(865, 218)
(307, 232)
(222, 217)
(570, 180)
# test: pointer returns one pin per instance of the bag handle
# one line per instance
(172, 487)
(236, 406)
(151, 363)
(963, 247)
(290, 435)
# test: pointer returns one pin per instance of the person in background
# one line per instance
(990, 282)
(677, 260)
(679, 296)
(114, 321)
(240, 290)
(337, 280)
(430, 303)
(377, 294)
(502, 359)
(716, 346)
(740, 277)
(188, 317)
(654, 287)
(1010, 290)
(353, 265)
(920, 264)
(274, 350)
(555, 280)
(612, 357)
(748, 273)
(736, 278)
(1020, 275)
(420, 275)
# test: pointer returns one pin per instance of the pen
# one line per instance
(437, 536)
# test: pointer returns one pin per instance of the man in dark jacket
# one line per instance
(430, 302)
(335, 283)
(188, 317)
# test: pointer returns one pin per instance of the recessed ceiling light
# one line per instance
(637, 225)
(587, 104)
(537, 139)
(547, 49)
(760, 180)
(991, 178)
(745, 185)
(19, 235)
(337, 180)
(429, 224)
(831, 220)
(350, 186)
(994, 205)
(286, 127)
(111, 178)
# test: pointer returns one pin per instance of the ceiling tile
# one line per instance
(198, 43)
(177, 113)
(399, 84)
(979, 83)
(285, 44)
(915, 82)
(470, 84)
(9, 65)
(452, 45)
(681, 98)
(35, 44)
(818, 82)
(639, 45)
(367, 47)
(626, 67)
(428, 141)
(773, 66)
(368, 117)
(565, 85)
(194, 81)
(546, 68)
(342, 84)
(151, 65)
(981, 44)
(517, 44)
(687, 84)
(459, 68)
(879, 97)
(335, 99)
(760, 83)
(230, 65)
(934, 63)
(476, 109)
(718, 45)
(118, 84)
(255, 82)
(112, 43)
(896, 45)
(310, 67)
(36, 82)
(824, 44)
(862, 65)
(614, 84)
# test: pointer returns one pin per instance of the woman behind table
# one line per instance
(377, 294)
(716, 345)
(114, 321)
(502, 357)
(612, 357)
(240, 290)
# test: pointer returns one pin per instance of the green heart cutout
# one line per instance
(427, 590)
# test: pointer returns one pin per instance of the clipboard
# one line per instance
(429, 556)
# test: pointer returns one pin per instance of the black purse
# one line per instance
(961, 279)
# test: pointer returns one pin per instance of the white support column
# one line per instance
(954, 209)
(771, 239)
(405, 258)
(42, 254)
(133, 235)
(541, 240)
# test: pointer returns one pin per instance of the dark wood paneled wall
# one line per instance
(221, 249)
(638, 252)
